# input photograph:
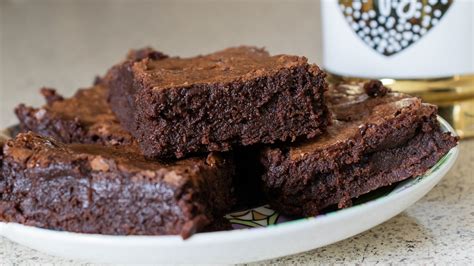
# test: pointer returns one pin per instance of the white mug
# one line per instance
(402, 39)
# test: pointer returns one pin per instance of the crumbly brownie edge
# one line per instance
(68, 130)
(217, 117)
(215, 198)
(45, 123)
(393, 130)
(122, 93)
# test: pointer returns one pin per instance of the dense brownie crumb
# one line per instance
(236, 97)
(91, 188)
(372, 142)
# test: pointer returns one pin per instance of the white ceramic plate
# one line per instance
(272, 236)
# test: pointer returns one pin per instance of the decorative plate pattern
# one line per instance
(390, 26)
(258, 217)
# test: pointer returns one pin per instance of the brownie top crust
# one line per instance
(360, 113)
(237, 63)
(89, 105)
(85, 117)
(34, 151)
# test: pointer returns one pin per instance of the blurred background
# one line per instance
(64, 44)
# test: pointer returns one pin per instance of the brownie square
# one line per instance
(235, 97)
(92, 188)
(377, 137)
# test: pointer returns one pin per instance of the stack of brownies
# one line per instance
(158, 144)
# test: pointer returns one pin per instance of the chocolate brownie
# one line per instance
(235, 97)
(93, 188)
(377, 137)
(85, 117)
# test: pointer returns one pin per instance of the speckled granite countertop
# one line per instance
(64, 45)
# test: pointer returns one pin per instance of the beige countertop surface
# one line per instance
(64, 44)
